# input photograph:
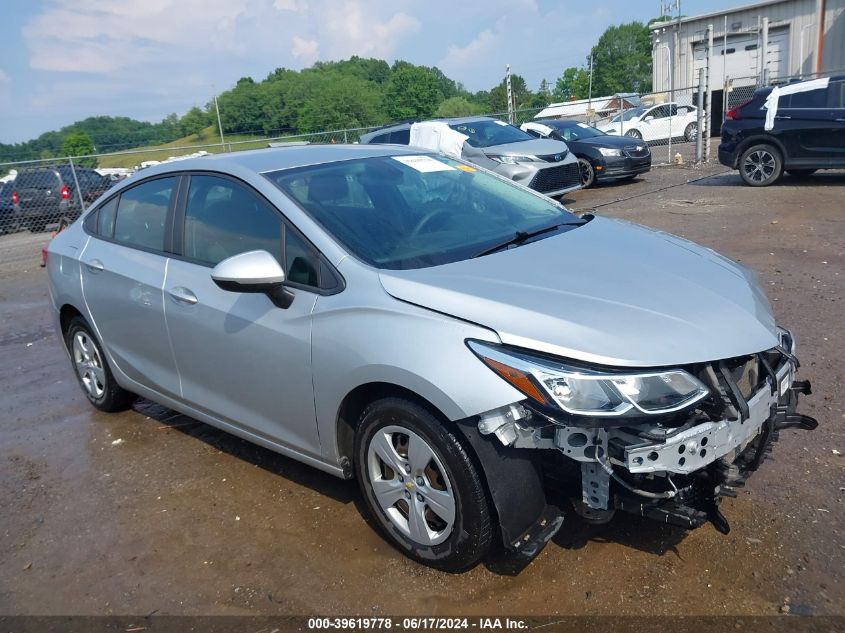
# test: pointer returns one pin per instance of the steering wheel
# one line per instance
(427, 218)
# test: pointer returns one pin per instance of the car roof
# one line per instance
(557, 122)
(276, 158)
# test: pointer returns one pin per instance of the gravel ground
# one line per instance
(151, 511)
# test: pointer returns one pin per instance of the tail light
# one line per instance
(735, 114)
(65, 193)
(15, 197)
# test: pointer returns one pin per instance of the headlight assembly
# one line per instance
(610, 151)
(592, 392)
(513, 159)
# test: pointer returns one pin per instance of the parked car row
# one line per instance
(553, 157)
(41, 196)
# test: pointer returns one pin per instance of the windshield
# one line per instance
(486, 133)
(627, 115)
(414, 211)
(575, 132)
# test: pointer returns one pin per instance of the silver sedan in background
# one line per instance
(462, 346)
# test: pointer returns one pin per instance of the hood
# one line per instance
(608, 292)
(534, 147)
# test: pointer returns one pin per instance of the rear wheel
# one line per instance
(421, 487)
(761, 165)
(588, 173)
(691, 132)
(801, 173)
(93, 371)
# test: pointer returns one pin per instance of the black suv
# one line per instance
(44, 195)
(808, 134)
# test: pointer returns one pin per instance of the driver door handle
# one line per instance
(95, 265)
(183, 295)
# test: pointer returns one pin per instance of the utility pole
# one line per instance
(590, 95)
(219, 123)
(820, 48)
(764, 53)
(510, 93)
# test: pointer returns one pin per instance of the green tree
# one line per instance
(334, 102)
(457, 106)
(622, 60)
(573, 84)
(194, 121)
(412, 93)
(521, 95)
(79, 144)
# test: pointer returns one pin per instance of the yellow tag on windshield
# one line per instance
(465, 168)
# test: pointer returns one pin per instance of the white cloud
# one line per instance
(306, 51)
(354, 27)
(3, 76)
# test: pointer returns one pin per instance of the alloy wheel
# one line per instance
(759, 166)
(89, 365)
(410, 485)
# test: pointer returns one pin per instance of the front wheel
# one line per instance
(634, 134)
(93, 371)
(421, 487)
(588, 173)
(760, 165)
(691, 132)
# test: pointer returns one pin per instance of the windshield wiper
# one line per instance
(520, 237)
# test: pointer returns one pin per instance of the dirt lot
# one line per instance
(149, 511)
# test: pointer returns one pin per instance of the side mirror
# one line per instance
(253, 271)
(648, 118)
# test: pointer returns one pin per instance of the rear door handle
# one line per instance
(183, 295)
(95, 266)
(782, 117)
(842, 120)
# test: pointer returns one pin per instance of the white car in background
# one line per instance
(655, 123)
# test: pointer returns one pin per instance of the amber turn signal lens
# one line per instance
(518, 379)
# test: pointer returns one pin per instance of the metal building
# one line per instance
(756, 43)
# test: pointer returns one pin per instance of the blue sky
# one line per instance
(64, 60)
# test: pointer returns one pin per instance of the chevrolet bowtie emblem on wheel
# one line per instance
(409, 485)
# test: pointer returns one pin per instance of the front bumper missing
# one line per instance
(676, 475)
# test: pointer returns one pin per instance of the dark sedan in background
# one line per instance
(601, 157)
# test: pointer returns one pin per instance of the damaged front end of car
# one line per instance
(663, 443)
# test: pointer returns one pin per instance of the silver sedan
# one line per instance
(455, 341)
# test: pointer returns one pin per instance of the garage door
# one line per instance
(741, 56)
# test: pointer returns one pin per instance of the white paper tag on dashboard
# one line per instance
(423, 164)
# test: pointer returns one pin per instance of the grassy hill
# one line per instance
(209, 138)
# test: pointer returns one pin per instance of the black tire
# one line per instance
(106, 395)
(588, 173)
(760, 165)
(634, 134)
(471, 532)
(691, 132)
(801, 173)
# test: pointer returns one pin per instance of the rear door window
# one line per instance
(809, 99)
(105, 218)
(142, 214)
